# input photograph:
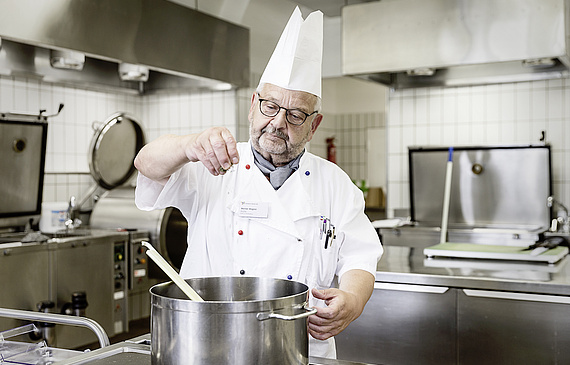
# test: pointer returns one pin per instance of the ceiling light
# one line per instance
(131, 72)
(68, 60)
(539, 63)
(421, 72)
(222, 86)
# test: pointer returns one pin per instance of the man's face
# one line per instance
(273, 137)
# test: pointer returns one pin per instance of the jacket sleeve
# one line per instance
(361, 248)
(147, 192)
(180, 188)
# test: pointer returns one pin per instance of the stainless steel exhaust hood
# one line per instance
(416, 43)
(182, 47)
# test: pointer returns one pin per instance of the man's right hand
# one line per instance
(215, 147)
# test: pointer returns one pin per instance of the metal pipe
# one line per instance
(565, 220)
(59, 319)
(446, 197)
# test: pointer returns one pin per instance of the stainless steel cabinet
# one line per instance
(495, 327)
(85, 265)
(24, 279)
(418, 324)
(94, 265)
(403, 324)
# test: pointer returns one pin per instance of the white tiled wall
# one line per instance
(350, 132)
(70, 133)
(479, 115)
(183, 113)
(352, 149)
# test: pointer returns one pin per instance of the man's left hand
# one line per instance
(342, 308)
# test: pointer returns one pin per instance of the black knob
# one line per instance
(79, 300)
(45, 304)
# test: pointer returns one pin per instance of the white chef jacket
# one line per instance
(238, 224)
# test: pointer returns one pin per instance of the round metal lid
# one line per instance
(113, 150)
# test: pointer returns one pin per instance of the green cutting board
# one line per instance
(497, 252)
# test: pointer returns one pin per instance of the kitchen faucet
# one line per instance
(564, 219)
(72, 221)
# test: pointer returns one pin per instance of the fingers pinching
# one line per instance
(217, 150)
(231, 147)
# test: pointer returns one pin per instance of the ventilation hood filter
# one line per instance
(416, 43)
(181, 48)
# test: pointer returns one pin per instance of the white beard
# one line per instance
(272, 145)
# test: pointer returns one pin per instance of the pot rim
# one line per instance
(294, 300)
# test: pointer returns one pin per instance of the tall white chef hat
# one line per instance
(296, 61)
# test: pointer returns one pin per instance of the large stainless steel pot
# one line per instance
(243, 320)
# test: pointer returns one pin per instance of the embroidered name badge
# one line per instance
(254, 209)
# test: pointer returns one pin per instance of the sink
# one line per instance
(9, 239)
(69, 233)
(22, 237)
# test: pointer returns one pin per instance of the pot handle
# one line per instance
(264, 316)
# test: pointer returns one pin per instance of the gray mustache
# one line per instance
(276, 132)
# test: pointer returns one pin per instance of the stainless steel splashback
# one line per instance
(182, 47)
(415, 43)
(492, 187)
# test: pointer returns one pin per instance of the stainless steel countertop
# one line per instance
(10, 241)
(408, 265)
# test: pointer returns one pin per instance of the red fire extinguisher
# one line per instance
(331, 150)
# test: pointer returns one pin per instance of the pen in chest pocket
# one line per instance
(328, 231)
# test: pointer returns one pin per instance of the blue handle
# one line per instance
(450, 158)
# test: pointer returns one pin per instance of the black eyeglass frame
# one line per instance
(286, 111)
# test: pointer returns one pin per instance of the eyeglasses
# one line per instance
(293, 116)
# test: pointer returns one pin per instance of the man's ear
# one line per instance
(315, 124)
(250, 114)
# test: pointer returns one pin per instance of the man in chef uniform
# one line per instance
(269, 208)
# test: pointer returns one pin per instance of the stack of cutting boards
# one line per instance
(480, 251)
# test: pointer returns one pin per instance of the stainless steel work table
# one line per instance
(460, 311)
(409, 265)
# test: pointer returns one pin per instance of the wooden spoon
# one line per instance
(172, 274)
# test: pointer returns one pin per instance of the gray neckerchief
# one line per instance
(277, 175)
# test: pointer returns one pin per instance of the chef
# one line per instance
(268, 207)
